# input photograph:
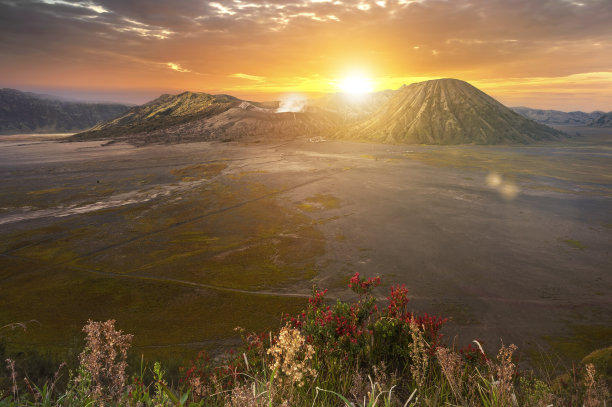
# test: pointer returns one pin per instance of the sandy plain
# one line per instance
(182, 243)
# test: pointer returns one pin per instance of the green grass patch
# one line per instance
(319, 202)
(198, 171)
(250, 242)
(574, 243)
(62, 301)
(581, 340)
(47, 191)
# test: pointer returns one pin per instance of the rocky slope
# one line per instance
(22, 112)
(446, 111)
(556, 117)
(604, 120)
(164, 112)
(203, 117)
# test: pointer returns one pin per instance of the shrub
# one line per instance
(330, 352)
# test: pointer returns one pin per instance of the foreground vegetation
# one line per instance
(342, 354)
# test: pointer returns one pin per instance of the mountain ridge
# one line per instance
(605, 120)
(443, 111)
(197, 116)
(557, 117)
(26, 112)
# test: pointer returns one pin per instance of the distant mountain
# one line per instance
(23, 112)
(193, 116)
(605, 120)
(446, 111)
(556, 117)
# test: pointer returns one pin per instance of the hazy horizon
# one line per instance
(143, 96)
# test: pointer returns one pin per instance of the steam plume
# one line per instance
(292, 103)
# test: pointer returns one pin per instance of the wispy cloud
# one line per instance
(176, 67)
(82, 4)
(249, 77)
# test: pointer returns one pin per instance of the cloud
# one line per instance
(84, 4)
(177, 67)
(249, 77)
(223, 10)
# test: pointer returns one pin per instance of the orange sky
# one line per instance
(554, 54)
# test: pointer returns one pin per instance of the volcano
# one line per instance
(446, 111)
(190, 117)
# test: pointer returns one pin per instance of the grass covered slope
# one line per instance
(446, 111)
(190, 117)
(163, 112)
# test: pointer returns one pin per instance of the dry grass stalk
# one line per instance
(243, 396)
(363, 386)
(596, 392)
(418, 355)
(505, 372)
(10, 365)
(452, 366)
(104, 358)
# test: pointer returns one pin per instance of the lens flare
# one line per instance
(508, 190)
(356, 84)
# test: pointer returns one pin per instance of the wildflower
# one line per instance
(397, 301)
(363, 286)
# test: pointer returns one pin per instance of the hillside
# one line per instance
(351, 108)
(446, 111)
(604, 120)
(241, 122)
(164, 112)
(22, 112)
(203, 117)
(556, 117)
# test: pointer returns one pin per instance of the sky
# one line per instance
(549, 54)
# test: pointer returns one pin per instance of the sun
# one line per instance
(356, 84)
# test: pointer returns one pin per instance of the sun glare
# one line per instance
(356, 84)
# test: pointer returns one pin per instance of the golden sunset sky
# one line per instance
(553, 54)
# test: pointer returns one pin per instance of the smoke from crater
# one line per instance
(292, 103)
